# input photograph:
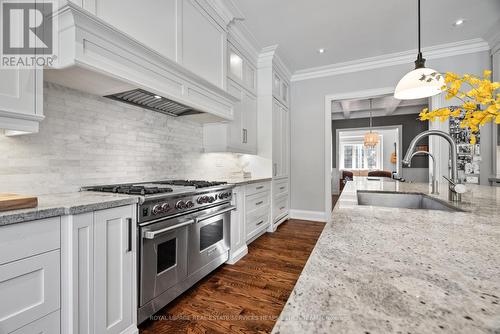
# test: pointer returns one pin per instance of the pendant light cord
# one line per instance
(371, 106)
(419, 42)
(420, 62)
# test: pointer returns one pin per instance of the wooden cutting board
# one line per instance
(15, 202)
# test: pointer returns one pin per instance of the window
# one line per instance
(354, 154)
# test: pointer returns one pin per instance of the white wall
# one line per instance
(88, 140)
(308, 117)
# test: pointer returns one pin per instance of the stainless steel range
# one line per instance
(183, 234)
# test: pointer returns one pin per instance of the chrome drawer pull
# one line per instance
(260, 223)
(282, 208)
(282, 188)
(154, 234)
(259, 187)
(259, 203)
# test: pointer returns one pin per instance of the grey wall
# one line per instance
(87, 140)
(411, 127)
(308, 117)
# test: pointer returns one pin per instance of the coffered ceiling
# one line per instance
(356, 29)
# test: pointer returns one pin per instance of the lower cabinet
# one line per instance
(30, 277)
(257, 209)
(251, 218)
(281, 206)
(99, 266)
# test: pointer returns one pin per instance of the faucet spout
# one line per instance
(447, 137)
(453, 194)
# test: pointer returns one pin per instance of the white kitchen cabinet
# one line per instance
(240, 69)
(203, 43)
(21, 100)
(158, 31)
(29, 274)
(273, 121)
(99, 272)
(238, 135)
(238, 247)
(257, 209)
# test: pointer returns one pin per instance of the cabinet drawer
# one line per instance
(257, 201)
(280, 188)
(280, 207)
(257, 221)
(255, 188)
(29, 290)
(47, 325)
(18, 241)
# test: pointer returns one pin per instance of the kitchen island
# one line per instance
(392, 270)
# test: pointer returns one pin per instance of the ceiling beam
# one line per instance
(346, 105)
(391, 106)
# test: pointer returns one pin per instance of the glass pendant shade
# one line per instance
(411, 86)
(371, 139)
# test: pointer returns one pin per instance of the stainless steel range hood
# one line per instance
(148, 100)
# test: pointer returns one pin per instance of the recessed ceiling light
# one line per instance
(459, 22)
(321, 50)
(157, 97)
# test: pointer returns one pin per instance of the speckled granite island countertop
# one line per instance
(66, 204)
(387, 270)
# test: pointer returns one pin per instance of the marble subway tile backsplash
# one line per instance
(88, 140)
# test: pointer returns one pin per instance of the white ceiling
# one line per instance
(356, 29)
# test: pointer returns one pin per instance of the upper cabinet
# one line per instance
(189, 32)
(175, 49)
(281, 89)
(21, 100)
(158, 31)
(240, 69)
(202, 43)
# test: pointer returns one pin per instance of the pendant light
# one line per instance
(371, 138)
(421, 82)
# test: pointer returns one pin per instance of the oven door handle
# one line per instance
(205, 217)
(154, 234)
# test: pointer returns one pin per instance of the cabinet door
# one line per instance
(277, 139)
(203, 43)
(235, 127)
(21, 99)
(158, 31)
(82, 267)
(114, 283)
(250, 123)
(285, 141)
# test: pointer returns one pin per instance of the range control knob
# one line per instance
(224, 195)
(211, 199)
(156, 209)
(202, 199)
(165, 207)
(189, 204)
(180, 205)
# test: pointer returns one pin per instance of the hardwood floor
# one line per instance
(246, 297)
(335, 198)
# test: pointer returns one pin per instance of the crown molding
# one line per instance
(391, 59)
(270, 57)
(493, 37)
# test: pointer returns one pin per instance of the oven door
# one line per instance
(163, 257)
(209, 237)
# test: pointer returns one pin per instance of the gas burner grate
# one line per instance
(132, 190)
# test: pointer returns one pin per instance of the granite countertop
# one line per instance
(241, 181)
(66, 204)
(387, 270)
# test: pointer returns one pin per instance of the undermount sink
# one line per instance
(403, 200)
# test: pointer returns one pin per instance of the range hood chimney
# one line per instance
(148, 100)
